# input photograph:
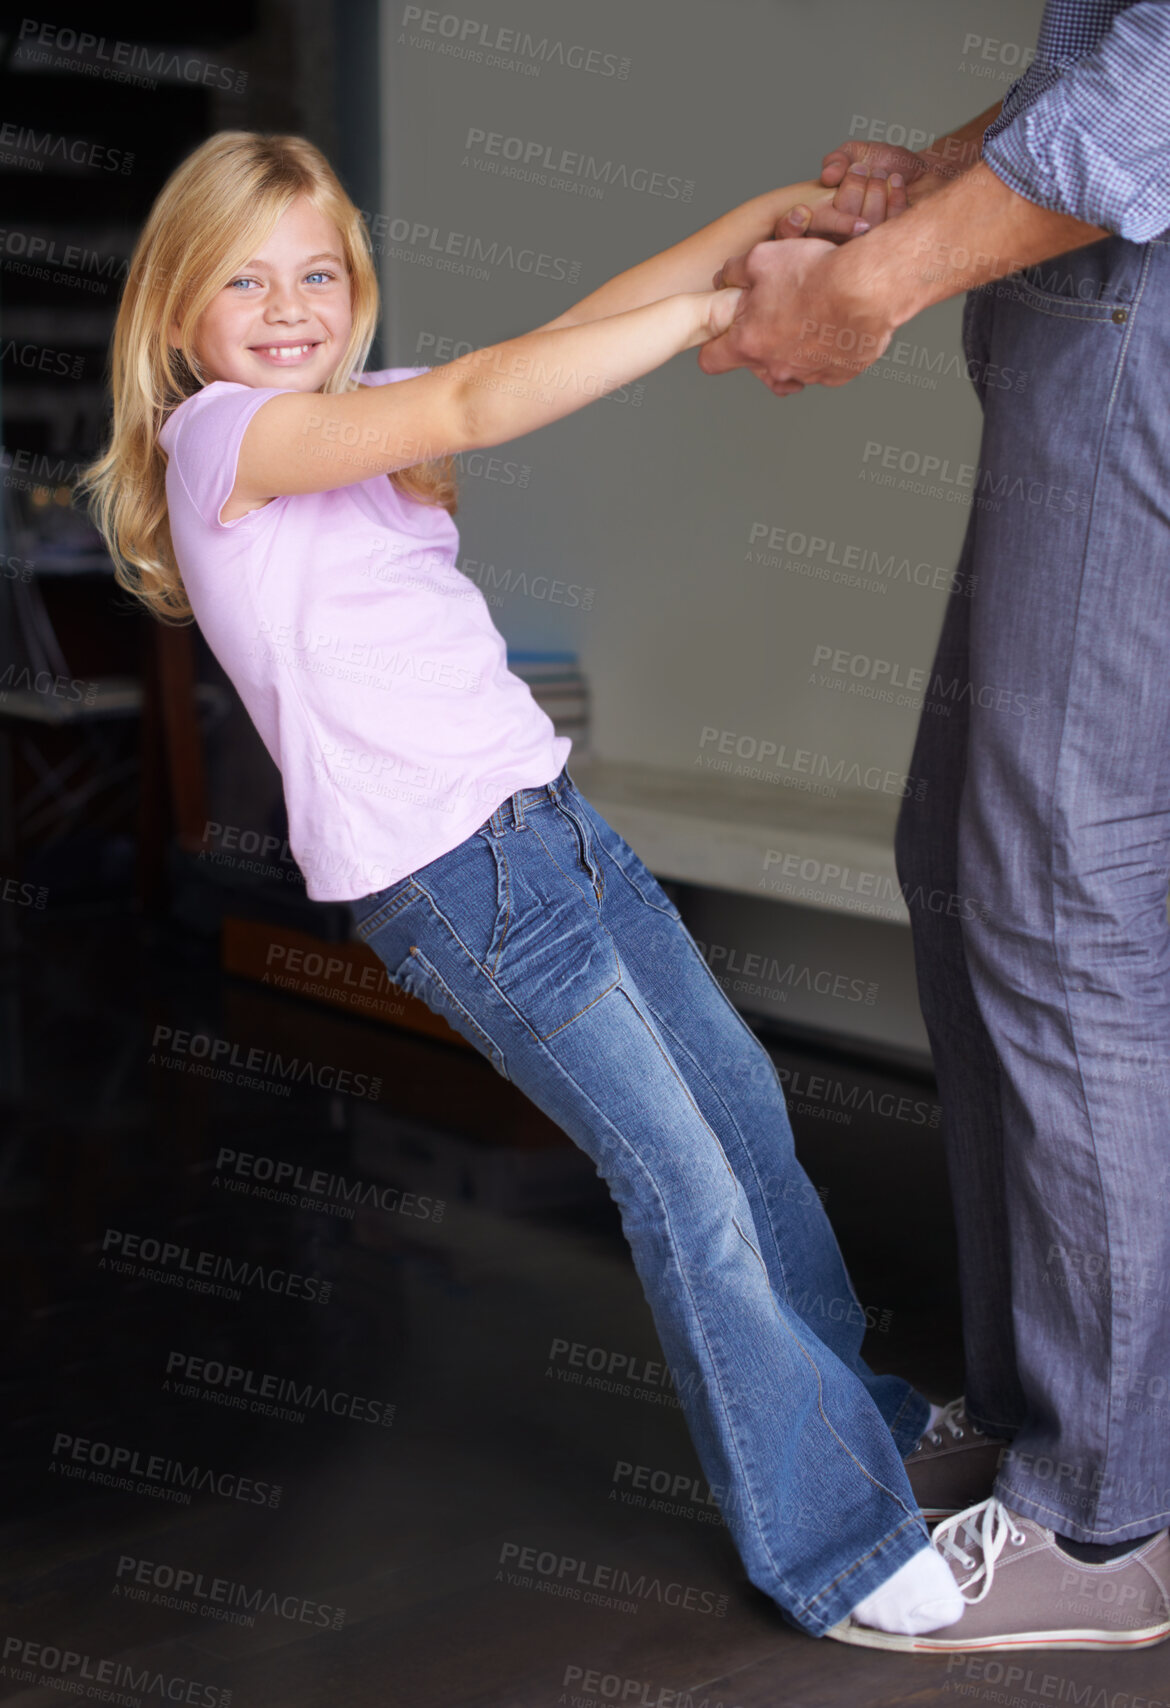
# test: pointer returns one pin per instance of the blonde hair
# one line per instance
(214, 211)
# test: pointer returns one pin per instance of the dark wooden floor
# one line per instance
(387, 1570)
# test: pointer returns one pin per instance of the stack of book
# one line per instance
(559, 689)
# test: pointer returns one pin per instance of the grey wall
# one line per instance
(651, 502)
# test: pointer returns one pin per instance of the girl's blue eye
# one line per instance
(318, 273)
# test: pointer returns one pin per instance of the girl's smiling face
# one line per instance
(284, 318)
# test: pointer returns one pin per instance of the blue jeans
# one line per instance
(547, 943)
(1045, 739)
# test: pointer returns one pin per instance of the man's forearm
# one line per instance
(958, 150)
(972, 230)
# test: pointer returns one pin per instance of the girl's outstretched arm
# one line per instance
(689, 265)
(312, 441)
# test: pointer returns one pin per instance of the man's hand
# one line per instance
(797, 324)
(830, 341)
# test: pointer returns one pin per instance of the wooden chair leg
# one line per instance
(153, 814)
(186, 766)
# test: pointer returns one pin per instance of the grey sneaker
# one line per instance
(954, 1465)
(1024, 1593)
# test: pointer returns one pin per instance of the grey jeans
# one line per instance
(1045, 739)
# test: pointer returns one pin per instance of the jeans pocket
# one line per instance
(556, 959)
(1087, 283)
(419, 977)
(372, 911)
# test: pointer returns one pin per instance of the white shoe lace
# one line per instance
(988, 1527)
(951, 1415)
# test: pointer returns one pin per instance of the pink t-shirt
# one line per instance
(367, 661)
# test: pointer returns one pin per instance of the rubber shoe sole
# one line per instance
(863, 1637)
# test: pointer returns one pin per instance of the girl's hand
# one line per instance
(886, 155)
(868, 194)
(716, 311)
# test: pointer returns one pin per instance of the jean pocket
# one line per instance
(419, 977)
(371, 912)
(556, 959)
(1083, 284)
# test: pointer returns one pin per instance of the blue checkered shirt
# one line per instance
(1086, 130)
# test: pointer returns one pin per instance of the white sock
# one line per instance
(921, 1596)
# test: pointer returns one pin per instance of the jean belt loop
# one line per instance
(518, 809)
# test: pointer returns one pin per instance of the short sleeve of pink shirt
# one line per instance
(367, 660)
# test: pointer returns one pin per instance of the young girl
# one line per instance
(299, 508)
